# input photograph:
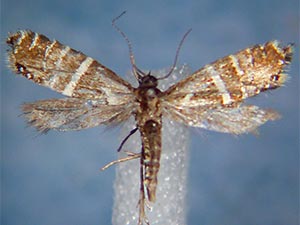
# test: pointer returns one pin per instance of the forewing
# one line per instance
(233, 78)
(211, 97)
(73, 114)
(65, 70)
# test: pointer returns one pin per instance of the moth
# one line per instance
(210, 98)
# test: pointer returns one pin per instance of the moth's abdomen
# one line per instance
(151, 138)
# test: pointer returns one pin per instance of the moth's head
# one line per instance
(147, 80)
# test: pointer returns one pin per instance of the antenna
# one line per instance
(136, 71)
(176, 56)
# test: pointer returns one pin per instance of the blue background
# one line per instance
(54, 179)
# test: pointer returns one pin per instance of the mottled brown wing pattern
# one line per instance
(73, 114)
(211, 97)
(65, 70)
(98, 94)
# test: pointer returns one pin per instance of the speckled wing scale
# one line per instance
(210, 98)
(96, 94)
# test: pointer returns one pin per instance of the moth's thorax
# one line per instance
(147, 95)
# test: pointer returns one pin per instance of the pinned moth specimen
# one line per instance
(210, 98)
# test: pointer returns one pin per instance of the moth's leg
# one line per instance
(130, 156)
(126, 138)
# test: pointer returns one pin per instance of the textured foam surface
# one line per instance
(170, 205)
